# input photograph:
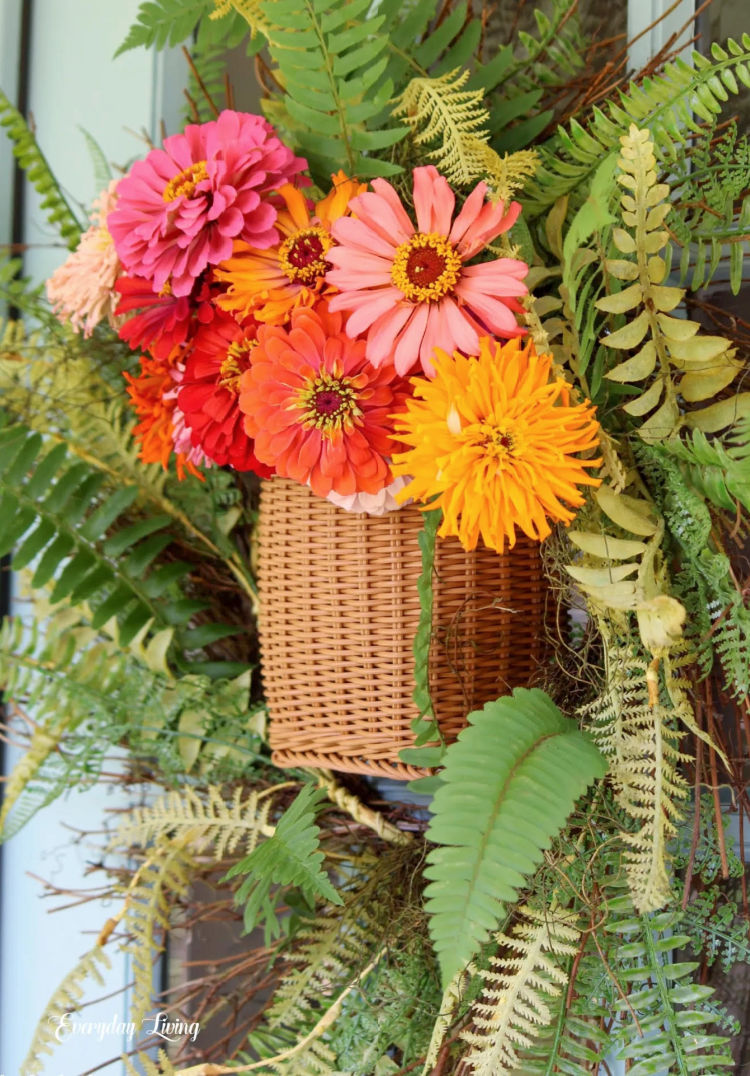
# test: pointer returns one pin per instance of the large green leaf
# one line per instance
(509, 783)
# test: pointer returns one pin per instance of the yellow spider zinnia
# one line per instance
(494, 442)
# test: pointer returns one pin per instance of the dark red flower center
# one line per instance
(424, 266)
(327, 402)
(303, 255)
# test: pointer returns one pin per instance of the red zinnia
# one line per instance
(208, 393)
(320, 413)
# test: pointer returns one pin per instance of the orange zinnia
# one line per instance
(493, 444)
(318, 411)
(269, 284)
(154, 401)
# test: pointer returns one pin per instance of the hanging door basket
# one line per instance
(339, 609)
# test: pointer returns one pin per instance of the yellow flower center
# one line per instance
(235, 363)
(328, 403)
(303, 255)
(426, 267)
(185, 182)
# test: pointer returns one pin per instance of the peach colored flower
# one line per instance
(372, 504)
(409, 288)
(81, 289)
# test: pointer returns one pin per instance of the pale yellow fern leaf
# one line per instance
(519, 985)
(440, 112)
(207, 818)
(65, 1000)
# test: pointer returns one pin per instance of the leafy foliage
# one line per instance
(530, 970)
(719, 616)
(164, 22)
(54, 514)
(441, 110)
(205, 817)
(668, 1012)
(635, 728)
(38, 172)
(156, 887)
(667, 105)
(718, 469)
(519, 751)
(331, 62)
(289, 857)
(87, 693)
(711, 208)
(706, 363)
(66, 999)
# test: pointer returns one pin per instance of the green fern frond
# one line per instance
(721, 620)
(88, 692)
(519, 986)
(672, 1012)
(162, 23)
(528, 764)
(52, 511)
(718, 469)
(65, 1000)
(710, 217)
(289, 857)
(38, 173)
(206, 817)
(331, 57)
(667, 104)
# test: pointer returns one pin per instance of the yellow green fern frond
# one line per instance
(148, 1067)
(668, 356)
(65, 1000)
(155, 889)
(251, 11)
(634, 726)
(207, 818)
(440, 112)
(529, 972)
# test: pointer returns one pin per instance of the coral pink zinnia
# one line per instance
(319, 412)
(179, 210)
(409, 288)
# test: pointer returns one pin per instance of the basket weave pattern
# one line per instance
(338, 612)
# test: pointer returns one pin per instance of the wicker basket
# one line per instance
(338, 613)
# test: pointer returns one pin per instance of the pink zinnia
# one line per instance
(409, 288)
(80, 290)
(180, 209)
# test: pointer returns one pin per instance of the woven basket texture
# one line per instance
(339, 609)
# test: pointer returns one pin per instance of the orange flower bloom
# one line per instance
(268, 284)
(154, 401)
(318, 411)
(493, 444)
